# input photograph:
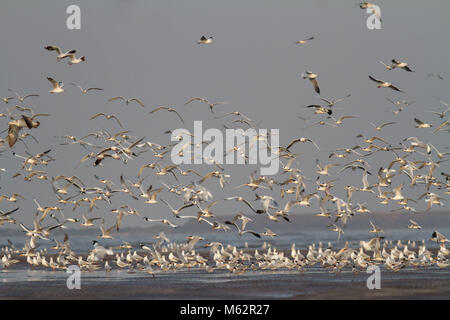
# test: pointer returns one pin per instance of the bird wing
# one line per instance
(395, 88)
(138, 101)
(97, 115)
(53, 82)
(315, 85)
(13, 133)
(53, 48)
(376, 80)
(116, 98)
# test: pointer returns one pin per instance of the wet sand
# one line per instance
(406, 284)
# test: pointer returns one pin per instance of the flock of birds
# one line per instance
(411, 160)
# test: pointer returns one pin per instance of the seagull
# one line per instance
(165, 221)
(421, 124)
(414, 225)
(337, 229)
(73, 59)
(304, 40)
(6, 99)
(60, 55)
(210, 104)
(242, 232)
(313, 78)
(381, 126)
(150, 195)
(84, 91)
(176, 212)
(324, 170)
(398, 193)
(341, 119)
(106, 233)
(204, 40)
(320, 109)
(127, 101)
(303, 140)
(15, 126)
(57, 86)
(384, 84)
(107, 116)
(401, 65)
(169, 110)
(20, 98)
(331, 103)
(88, 222)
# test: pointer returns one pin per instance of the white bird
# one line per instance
(57, 86)
(384, 84)
(205, 40)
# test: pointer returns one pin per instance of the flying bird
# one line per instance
(205, 40)
(313, 78)
(57, 86)
(127, 101)
(107, 116)
(384, 84)
(304, 40)
(84, 91)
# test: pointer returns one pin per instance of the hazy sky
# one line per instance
(148, 49)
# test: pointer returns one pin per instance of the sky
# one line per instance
(149, 50)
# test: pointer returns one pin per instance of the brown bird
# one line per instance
(15, 126)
